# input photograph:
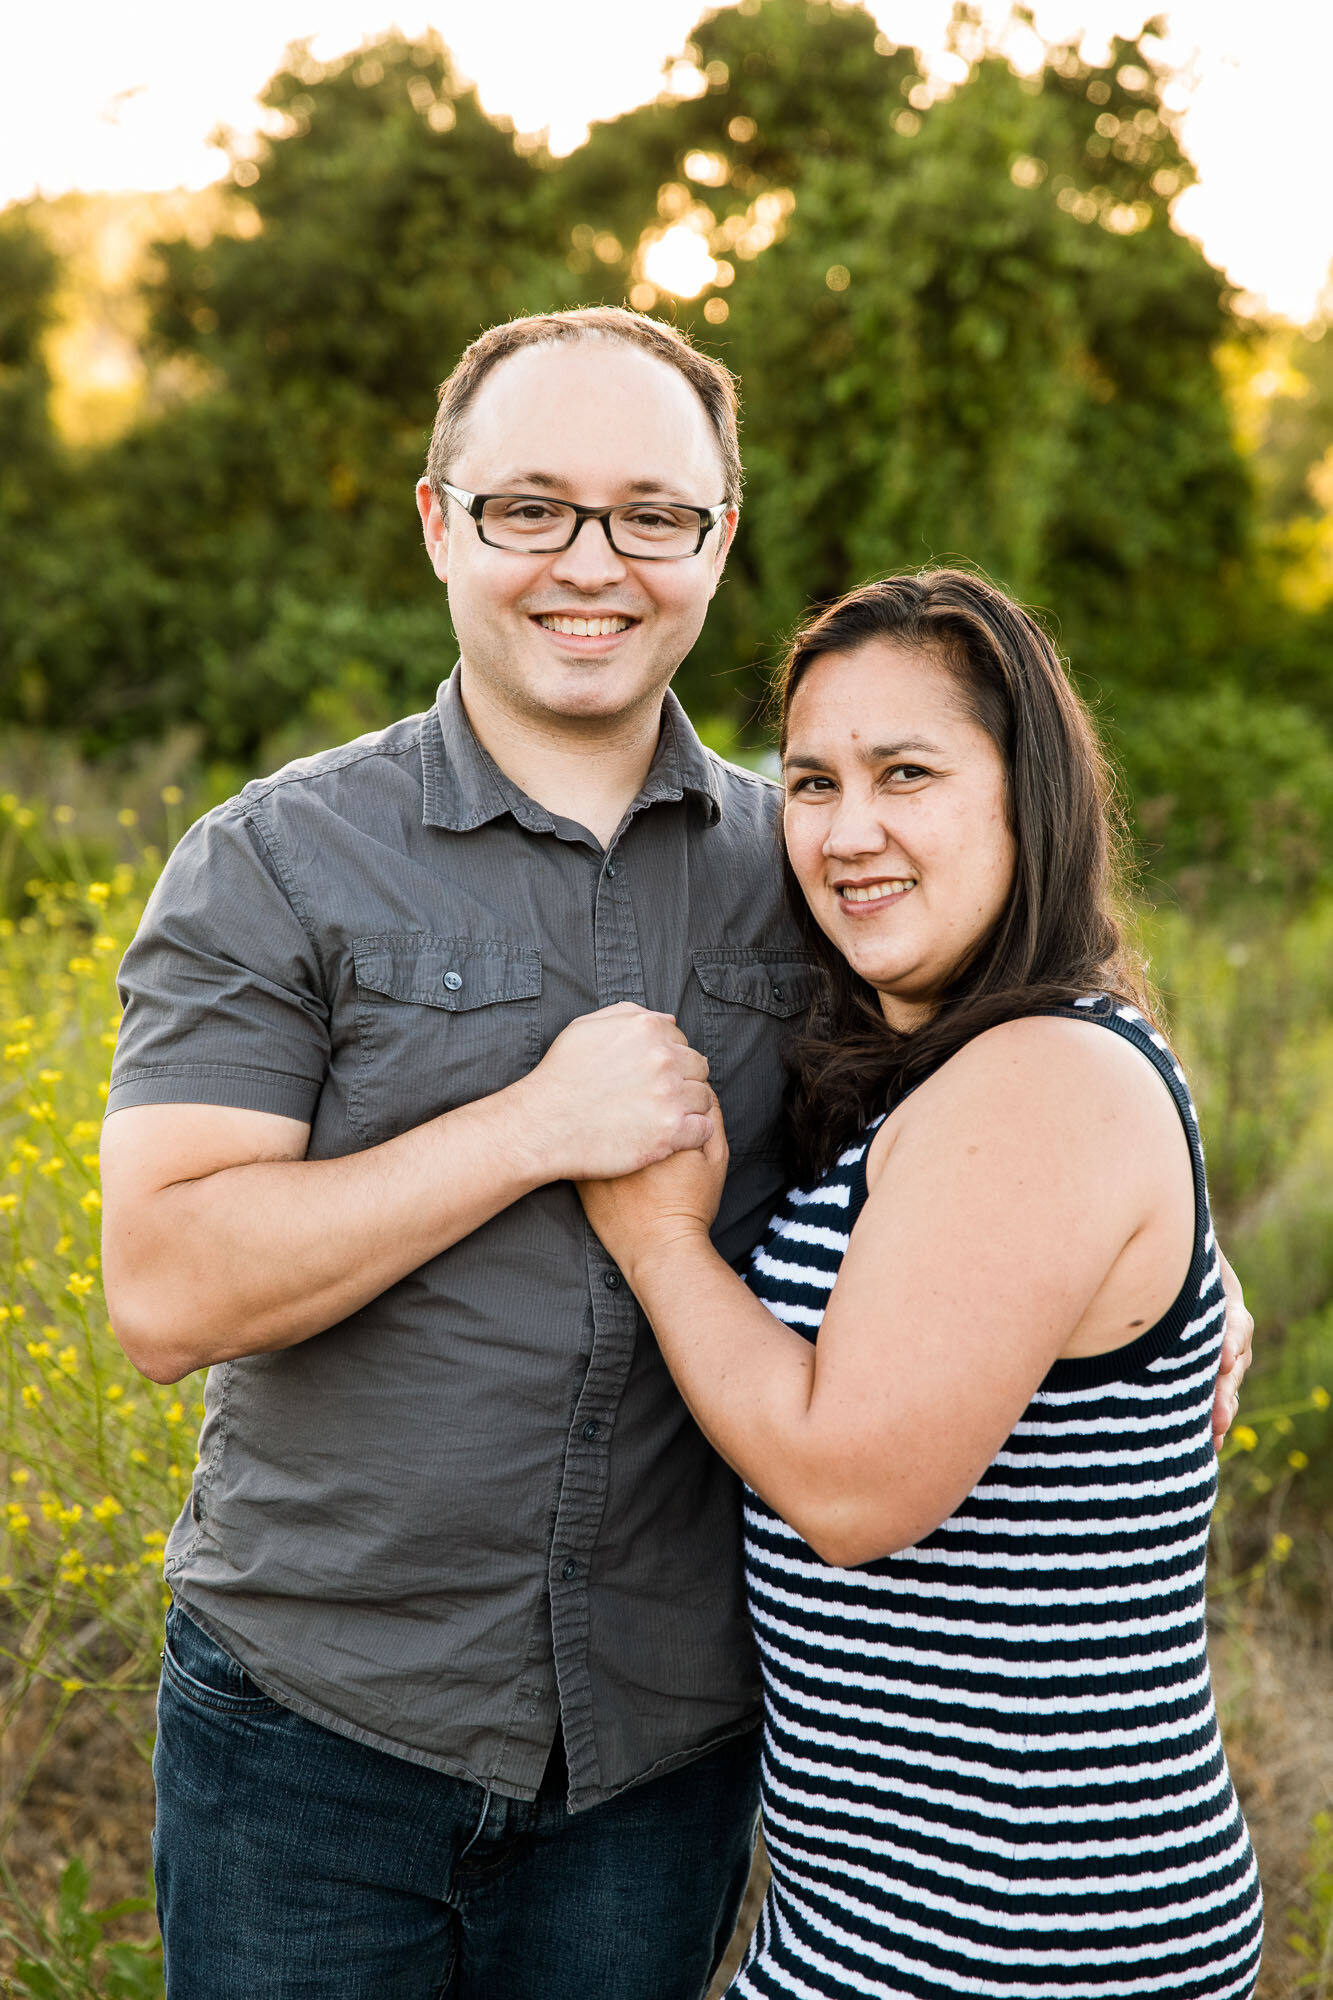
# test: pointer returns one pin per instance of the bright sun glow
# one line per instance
(679, 262)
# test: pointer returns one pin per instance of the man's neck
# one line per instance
(586, 770)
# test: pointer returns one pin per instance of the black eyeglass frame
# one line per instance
(473, 503)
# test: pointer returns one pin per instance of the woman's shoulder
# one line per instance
(1046, 1074)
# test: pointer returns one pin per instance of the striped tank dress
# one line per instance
(992, 1764)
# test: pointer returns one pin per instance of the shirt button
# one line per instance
(611, 870)
(592, 1430)
(611, 1279)
(778, 993)
(570, 1570)
(452, 981)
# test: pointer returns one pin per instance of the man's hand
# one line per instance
(616, 1091)
(1236, 1354)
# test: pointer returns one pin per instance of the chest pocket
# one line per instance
(441, 1021)
(750, 1002)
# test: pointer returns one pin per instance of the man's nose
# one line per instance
(590, 562)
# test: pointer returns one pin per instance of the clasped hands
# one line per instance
(622, 1106)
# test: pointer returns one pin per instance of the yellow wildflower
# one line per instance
(79, 1285)
(15, 1051)
(128, 816)
(81, 966)
(69, 1517)
(115, 1392)
(104, 943)
(39, 1349)
(108, 1040)
(1245, 1437)
(32, 1395)
(175, 1412)
(107, 1508)
(92, 1161)
(138, 1457)
(63, 1245)
(91, 1201)
(84, 1128)
(8, 1203)
(99, 892)
(172, 795)
(1297, 1460)
(154, 1537)
(68, 1360)
(50, 1075)
(72, 1686)
(1282, 1547)
(63, 815)
(19, 1476)
(17, 1520)
(1320, 1398)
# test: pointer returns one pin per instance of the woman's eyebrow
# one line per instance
(871, 753)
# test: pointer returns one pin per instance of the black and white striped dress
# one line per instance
(992, 1764)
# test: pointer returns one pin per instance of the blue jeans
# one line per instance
(295, 1864)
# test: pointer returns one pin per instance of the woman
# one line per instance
(969, 1377)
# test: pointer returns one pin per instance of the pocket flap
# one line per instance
(452, 972)
(781, 986)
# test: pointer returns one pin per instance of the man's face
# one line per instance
(598, 422)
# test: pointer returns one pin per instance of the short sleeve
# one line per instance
(223, 997)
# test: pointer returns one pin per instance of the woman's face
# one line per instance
(895, 820)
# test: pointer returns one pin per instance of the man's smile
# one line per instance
(579, 626)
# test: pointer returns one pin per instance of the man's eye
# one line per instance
(656, 520)
(529, 512)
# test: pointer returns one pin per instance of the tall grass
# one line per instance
(96, 1462)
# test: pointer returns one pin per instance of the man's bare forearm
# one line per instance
(250, 1257)
(220, 1238)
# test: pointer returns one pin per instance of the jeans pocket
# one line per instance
(201, 1671)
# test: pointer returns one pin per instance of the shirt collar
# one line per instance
(465, 788)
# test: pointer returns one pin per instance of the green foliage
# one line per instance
(78, 1963)
(1232, 792)
(1311, 1935)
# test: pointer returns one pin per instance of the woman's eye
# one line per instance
(807, 785)
(907, 774)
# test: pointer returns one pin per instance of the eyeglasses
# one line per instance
(529, 524)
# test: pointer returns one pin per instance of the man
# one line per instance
(457, 1693)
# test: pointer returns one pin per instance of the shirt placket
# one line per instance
(615, 1316)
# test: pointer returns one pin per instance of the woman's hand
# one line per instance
(676, 1200)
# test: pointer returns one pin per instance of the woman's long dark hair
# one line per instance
(1058, 937)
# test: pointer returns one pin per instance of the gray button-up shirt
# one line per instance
(478, 1505)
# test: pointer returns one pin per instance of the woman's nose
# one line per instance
(857, 829)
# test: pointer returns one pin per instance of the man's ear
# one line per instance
(434, 529)
(726, 536)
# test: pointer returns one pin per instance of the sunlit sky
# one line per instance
(128, 96)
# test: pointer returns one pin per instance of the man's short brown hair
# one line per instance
(714, 385)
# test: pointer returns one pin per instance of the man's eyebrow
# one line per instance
(871, 753)
(549, 482)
